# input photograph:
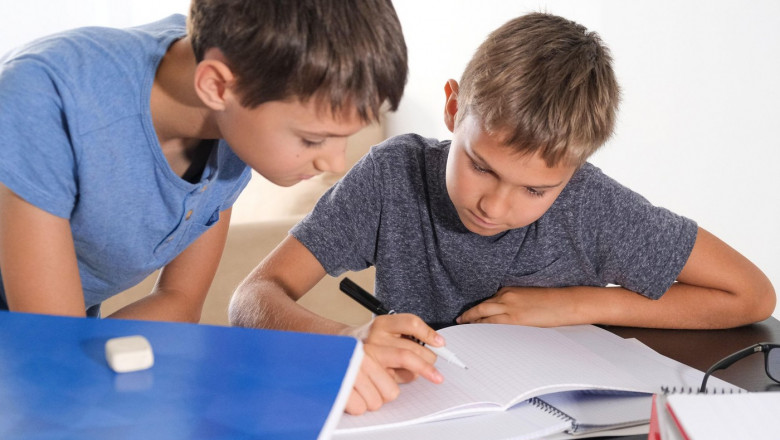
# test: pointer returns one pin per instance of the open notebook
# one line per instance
(527, 380)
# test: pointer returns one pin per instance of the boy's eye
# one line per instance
(309, 143)
(534, 192)
(478, 168)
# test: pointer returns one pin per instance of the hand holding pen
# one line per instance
(375, 306)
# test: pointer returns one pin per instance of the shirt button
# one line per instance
(189, 214)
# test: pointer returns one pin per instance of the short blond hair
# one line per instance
(546, 85)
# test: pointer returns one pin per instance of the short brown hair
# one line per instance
(341, 52)
(546, 84)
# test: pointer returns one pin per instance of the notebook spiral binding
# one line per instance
(546, 407)
(696, 390)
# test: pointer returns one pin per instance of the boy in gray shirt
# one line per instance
(506, 223)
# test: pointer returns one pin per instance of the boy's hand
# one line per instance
(405, 331)
(392, 358)
(533, 306)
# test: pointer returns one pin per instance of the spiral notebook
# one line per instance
(527, 380)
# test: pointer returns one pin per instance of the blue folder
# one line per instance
(207, 382)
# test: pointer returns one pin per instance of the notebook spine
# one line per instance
(696, 390)
(546, 407)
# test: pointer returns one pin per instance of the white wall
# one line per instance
(21, 21)
(701, 86)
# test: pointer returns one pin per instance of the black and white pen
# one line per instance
(370, 302)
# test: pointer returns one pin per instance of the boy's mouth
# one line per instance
(481, 222)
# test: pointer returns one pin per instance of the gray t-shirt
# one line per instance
(392, 211)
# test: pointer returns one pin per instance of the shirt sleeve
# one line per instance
(342, 229)
(633, 243)
(39, 163)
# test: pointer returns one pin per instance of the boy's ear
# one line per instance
(451, 103)
(213, 82)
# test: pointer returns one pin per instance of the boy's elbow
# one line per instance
(255, 304)
(242, 310)
(763, 300)
(769, 301)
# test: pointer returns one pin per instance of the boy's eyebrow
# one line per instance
(323, 133)
(484, 164)
(545, 186)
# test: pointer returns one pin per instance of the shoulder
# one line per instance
(589, 186)
(97, 73)
(593, 201)
(407, 151)
(97, 56)
(601, 206)
(589, 175)
(397, 166)
(79, 45)
(405, 145)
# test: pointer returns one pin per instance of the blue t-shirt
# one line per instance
(77, 141)
(392, 211)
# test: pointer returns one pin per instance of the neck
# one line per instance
(178, 114)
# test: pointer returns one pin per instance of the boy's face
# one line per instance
(288, 141)
(493, 188)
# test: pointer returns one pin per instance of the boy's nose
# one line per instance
(494, 204)
(333, 160)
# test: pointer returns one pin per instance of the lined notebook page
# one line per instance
(506, 365)
(639, 360)
(727, 416)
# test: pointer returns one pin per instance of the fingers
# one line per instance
(486, 311)
(402, 359)
(373, 388)
(401, 376)
(355, 404)
(382, 368)
(393, 356)
(405, 331)
(495, 319)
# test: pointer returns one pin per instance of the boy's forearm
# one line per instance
(161, 305)
(683, 306)
(717, 288)
(265, 304)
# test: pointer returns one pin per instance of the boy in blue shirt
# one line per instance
(507, 223)
(124, 149)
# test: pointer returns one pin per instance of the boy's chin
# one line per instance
(485, 232)
(474, 224)
(285, 182)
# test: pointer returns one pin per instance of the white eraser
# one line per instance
(129, 353)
